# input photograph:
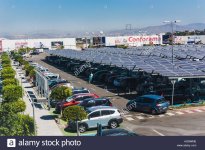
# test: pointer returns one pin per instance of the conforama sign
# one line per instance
(133, 40)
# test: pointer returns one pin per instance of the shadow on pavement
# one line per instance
(49, 117)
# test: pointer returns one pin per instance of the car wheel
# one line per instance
(82, 128)
(154, 112)
(113, 124)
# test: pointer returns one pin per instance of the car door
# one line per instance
(105, 117)
(93, 119)
(137, 104)
(147, 105)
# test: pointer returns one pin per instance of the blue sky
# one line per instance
(23, 16)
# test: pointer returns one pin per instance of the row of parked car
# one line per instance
(99, 109)
(186, 90)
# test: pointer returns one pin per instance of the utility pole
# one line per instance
(172, 36)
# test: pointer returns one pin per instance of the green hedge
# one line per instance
(12, 93)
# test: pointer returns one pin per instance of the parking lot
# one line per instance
(145, 124)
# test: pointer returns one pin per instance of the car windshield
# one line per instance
(160, 101)
(69, 99)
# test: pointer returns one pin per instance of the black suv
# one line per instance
(91, 102)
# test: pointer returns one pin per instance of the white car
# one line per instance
(105, 115)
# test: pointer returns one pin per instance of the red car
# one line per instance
(74, 100)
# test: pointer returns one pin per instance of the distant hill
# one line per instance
(149, 30)
(160, 29)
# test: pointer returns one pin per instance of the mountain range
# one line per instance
(146, 30)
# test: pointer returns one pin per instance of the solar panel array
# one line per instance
(149, 59)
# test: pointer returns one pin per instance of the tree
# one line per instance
(27, 125)
(13, 124)
(73, 113)
(60, 94)
(10, 81)
(14, 107)
(12, 93)
(7, 72)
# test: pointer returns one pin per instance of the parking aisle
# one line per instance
(142, 116)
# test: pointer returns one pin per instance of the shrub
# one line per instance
(14, 107)
(61, 93)
(32, 73)
(7, 72)
(10, 82)
(73, 113)
(12, 93)
(16, 124)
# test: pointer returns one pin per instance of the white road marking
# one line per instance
(139, 117)
(151, 116)
(93, 89)
(158, 132)
(188, 111)
(170, 114)
(179, 113)
(198, 110)
(127, 115)
(202, 108)
(130, 119)
(161, 115)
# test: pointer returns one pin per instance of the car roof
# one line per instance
(96, 99)
(154, 97)
(91, 109)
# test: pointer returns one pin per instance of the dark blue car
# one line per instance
(153, 104)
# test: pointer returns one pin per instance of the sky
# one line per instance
(27, 16)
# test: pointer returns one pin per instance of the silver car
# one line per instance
(104, 115)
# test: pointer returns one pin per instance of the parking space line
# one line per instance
(151, 116)
(93, 89)
(161, 116)
(198, 110)
(189, 111)
(127, 115)
(179, 113)
(130, 119)
(139, 117)
(158, 132)
(170, 114)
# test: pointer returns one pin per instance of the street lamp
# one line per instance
(172, 26)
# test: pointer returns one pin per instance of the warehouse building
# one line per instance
(57, 43)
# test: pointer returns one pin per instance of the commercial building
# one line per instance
(134, 40)
(194, 39)
(66, 43)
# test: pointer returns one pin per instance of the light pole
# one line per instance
(172, 26)
(173, 83)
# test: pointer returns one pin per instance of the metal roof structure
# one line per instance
(155, 60)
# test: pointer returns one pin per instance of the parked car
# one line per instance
(80, 91)
(74, 100)
(104, 115)
(91, 102)
(153, 104)
(127, 82)
(117, 132)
